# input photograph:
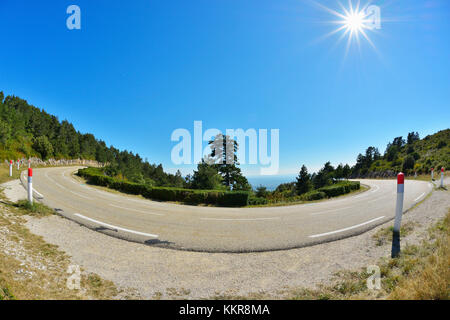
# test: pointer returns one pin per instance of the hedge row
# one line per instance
(313, 195)
(256, 201)
(340, 188)
(221, 198)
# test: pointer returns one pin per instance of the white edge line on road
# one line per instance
(328, 211)
(80, 195)
(242, 219)
(419, 197)
(34, 189)
(141, 211)
(75, 193)
(115, 227)
(345, 229)
(373, 200)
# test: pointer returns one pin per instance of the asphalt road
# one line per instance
(215, 229)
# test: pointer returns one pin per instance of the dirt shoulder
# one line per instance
(169, 274)
(31, 268)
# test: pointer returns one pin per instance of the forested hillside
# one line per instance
(27, 131)
(407, 155)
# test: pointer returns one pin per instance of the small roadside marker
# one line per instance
(432, 173)
(442, 177)
(398, 215)
(10, 168)
(30, 186)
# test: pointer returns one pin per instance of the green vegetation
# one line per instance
(219, 171)
(212, 197)
(413, 155)
(327, 183)
(36, 209)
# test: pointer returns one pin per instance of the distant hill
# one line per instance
(27, 131)
(407, 155)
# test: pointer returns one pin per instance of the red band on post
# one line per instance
(442, 169)
(30, 172)
(400, 178)
(11, 162)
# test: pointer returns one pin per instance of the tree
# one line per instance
(206, 177)
(303, 184)
(412, 137)
(324, 176)
(339, 172)
(346, 171)
(5, 133)
(408, 164)
(43, 147)
(224, 157)
(261, 192)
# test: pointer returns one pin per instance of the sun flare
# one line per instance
(354, 22)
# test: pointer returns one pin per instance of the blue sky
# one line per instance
(138, 70)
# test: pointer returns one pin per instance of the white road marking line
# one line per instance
(115, 227)
(242, 219)
(328, 211)
(366, 193)
(345, 229)
(141, 211)
(377, 199)
(80, 195)
(419, 197)
(75, 193)
(39, 194)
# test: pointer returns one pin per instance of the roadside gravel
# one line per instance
(170, 274)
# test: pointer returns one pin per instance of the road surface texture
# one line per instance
(213, 229)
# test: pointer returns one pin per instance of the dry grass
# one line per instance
(384, 235)
(429, 277)
(32, 269)
(4, 173)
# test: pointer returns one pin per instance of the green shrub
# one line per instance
(255, 201)
(227, 199)
(340, 188)
(313, 195)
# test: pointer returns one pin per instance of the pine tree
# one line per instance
(303, 184)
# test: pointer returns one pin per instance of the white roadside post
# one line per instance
(398, 215)
(10, 168)
(442, 177)
(18, 164)
(432, 173)
(415, 175)
(30, 186)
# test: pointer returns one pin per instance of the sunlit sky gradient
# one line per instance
(140, 69)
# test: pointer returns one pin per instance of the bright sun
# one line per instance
(353, 22)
